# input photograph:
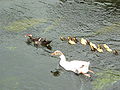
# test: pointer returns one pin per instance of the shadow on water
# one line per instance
(24, 67)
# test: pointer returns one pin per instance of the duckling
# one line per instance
(63, 39)
(93, 46)
(72, 40)
(55, 73)
(75, 39)
(115, 52)
(99, 48)
(107, 48)
(83, 41)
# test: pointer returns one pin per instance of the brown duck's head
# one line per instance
(57, 53)
(29, 35)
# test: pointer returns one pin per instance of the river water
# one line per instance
(24, 67)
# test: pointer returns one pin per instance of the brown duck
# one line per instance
(37, 42)
(31, 39)
(43, 42)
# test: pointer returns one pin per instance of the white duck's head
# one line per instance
(57, 53)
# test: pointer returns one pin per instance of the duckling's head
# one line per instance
(115, 52)
(57, 53)
(29, 35)
(75, 39)
(105, 46)
(69, 38)
(63, 38)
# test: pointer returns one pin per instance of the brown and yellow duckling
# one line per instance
(107, 48)
(84, 41)
(93, 46)
(63, 39)
(72, 40)
(115, 52)
(99, 48)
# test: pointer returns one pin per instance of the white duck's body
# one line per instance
(76, 66)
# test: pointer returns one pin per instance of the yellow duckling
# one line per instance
(72, 40)
(107, 48)
(93, 46)
(83, 41)
(99, 49)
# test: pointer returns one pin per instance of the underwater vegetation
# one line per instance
(105, 78)
(23, 24)
(108, 29)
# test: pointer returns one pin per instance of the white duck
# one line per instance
(75, 65)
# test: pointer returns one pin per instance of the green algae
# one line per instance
(24, 24)
(108, 29)
(106, 78)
